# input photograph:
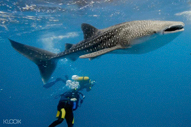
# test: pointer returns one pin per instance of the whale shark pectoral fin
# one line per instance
(100, 52)
(92, 58)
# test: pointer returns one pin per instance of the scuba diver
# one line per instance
(72, 99)
(50, 84)
(84, 82)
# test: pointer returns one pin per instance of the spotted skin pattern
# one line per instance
(135, 37)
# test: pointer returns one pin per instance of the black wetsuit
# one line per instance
(67, 106)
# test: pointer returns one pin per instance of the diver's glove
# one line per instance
(73, 99)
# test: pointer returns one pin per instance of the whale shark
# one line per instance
(134, 37)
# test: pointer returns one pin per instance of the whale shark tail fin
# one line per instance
(42, 58)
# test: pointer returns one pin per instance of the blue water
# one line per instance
(148, 90)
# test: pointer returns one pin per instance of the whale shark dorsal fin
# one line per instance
(68, 46)
(88, 30)
(100, 52)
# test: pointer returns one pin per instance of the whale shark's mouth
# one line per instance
(174, 29)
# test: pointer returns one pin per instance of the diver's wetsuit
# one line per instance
(66, 106)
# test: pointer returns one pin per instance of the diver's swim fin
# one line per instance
(40, 57)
